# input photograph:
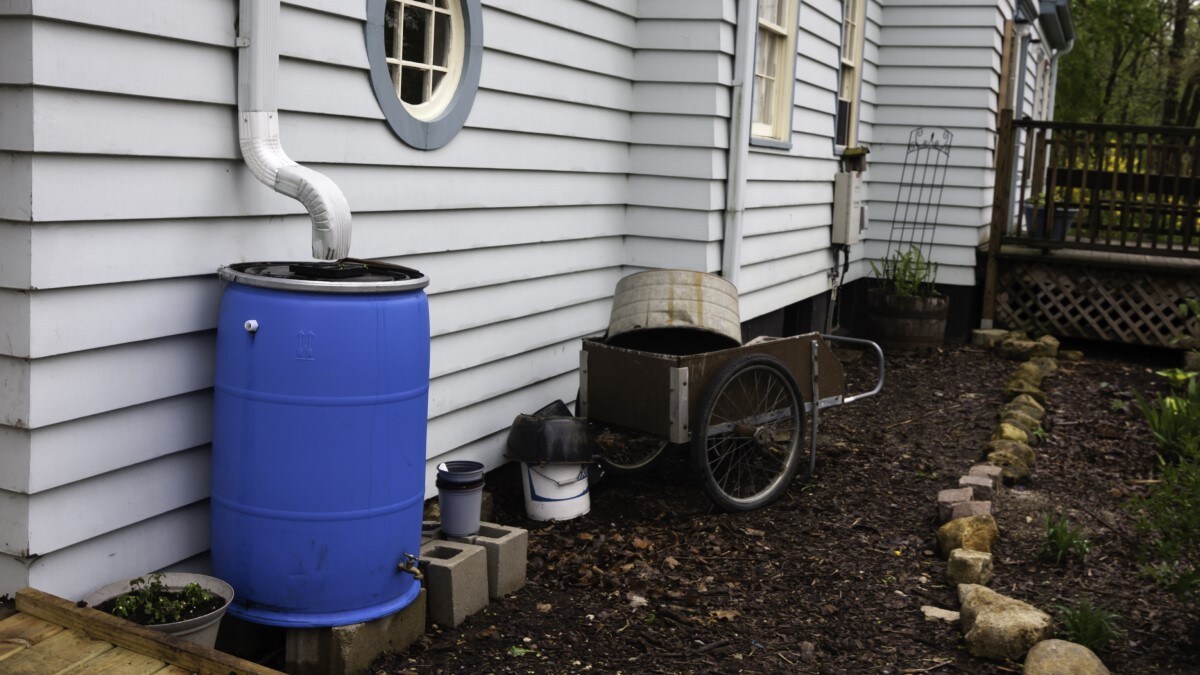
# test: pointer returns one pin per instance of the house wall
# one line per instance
(135, 193)
(597, 145)
(938, 65)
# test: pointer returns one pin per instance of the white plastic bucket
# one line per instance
(556, 491)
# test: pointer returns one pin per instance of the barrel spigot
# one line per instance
(409, 566)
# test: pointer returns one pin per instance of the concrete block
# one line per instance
(456, 579)
(948, 498)
(966, 509)
(507, 551)
(981, 486)
(351, 649)
(995, 473)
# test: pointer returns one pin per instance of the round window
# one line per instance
(424, 57)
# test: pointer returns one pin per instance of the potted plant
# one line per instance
(1049, 227)
(189, 606)
(905, 311)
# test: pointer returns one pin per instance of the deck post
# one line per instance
(1001, 198)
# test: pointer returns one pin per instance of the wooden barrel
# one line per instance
(906, 323)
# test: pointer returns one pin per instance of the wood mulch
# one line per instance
(831, 578)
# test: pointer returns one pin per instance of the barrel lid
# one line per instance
(348, 275)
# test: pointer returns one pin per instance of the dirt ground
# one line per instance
(831, 578)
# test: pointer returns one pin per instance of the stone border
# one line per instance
(995, 626)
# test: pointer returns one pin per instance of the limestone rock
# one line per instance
(981, 486)
(1011, 466)
(977, 533)
(1010, 432)
(1030, 371)
(1035, 413)
(1191, 360)
(992, 472)
(1059, 657)
(969, 567)
(998, 627)
(987, 337)
(1046, 364)
(1071, 355)
(1031, 402)
(1019, 450)
(1016, 335)
(948, 498)
(1018, 387)
(938, 614)
(1047, 345)
(1018, 417)
(968, 509)
(1017, 349)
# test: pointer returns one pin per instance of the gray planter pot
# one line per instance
(202, 629)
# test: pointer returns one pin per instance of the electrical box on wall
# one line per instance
(849, 208)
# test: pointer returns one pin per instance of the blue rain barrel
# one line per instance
(322, 388)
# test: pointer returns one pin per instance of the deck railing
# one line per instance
(1107, 188)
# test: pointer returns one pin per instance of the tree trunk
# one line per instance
(1175, 53)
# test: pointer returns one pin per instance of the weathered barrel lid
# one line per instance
(348, 275)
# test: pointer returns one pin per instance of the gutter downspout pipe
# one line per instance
(258, 132)
(739, 146)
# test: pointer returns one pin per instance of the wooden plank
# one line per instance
(133, 637)
(117, 661)
(1000, 207)
(54, 654)
(22, 631)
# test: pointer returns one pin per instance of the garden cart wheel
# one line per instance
(747, 433)
(621, 453)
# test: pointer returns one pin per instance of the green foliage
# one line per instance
(1117, 70)
(1170, 526)
(1088, 625)
(907, 274)
(152, 602)
(1175, 419)
(1064, 541)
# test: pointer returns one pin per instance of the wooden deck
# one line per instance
(48, 634)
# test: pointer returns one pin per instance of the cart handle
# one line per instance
(879, 355)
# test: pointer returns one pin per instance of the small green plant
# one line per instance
(1064, 541)
(151, 602)
(1089, 625)
(907, 274)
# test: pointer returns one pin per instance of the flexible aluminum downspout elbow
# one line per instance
(258, 132)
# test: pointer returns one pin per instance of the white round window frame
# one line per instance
(435, 123)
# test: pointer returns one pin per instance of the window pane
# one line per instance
(437, 79)
(760, 100)
(444, 4)
(416, 30)
(771, 10)
(412, 86)
(391, 19)
(441, 39)
(769, 46)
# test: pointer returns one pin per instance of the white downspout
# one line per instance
(258, 131)
(739, 145)
(1054, 76)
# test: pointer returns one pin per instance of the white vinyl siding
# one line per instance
(938, 65)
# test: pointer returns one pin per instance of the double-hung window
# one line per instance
(854, 16)
(774, 70)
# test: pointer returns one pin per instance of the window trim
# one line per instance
(410, 127)
(854, 66)
(779, 133)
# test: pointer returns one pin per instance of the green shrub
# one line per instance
(1088, 625)
(1064, 541)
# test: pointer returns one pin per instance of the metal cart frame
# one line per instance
(667, 396)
